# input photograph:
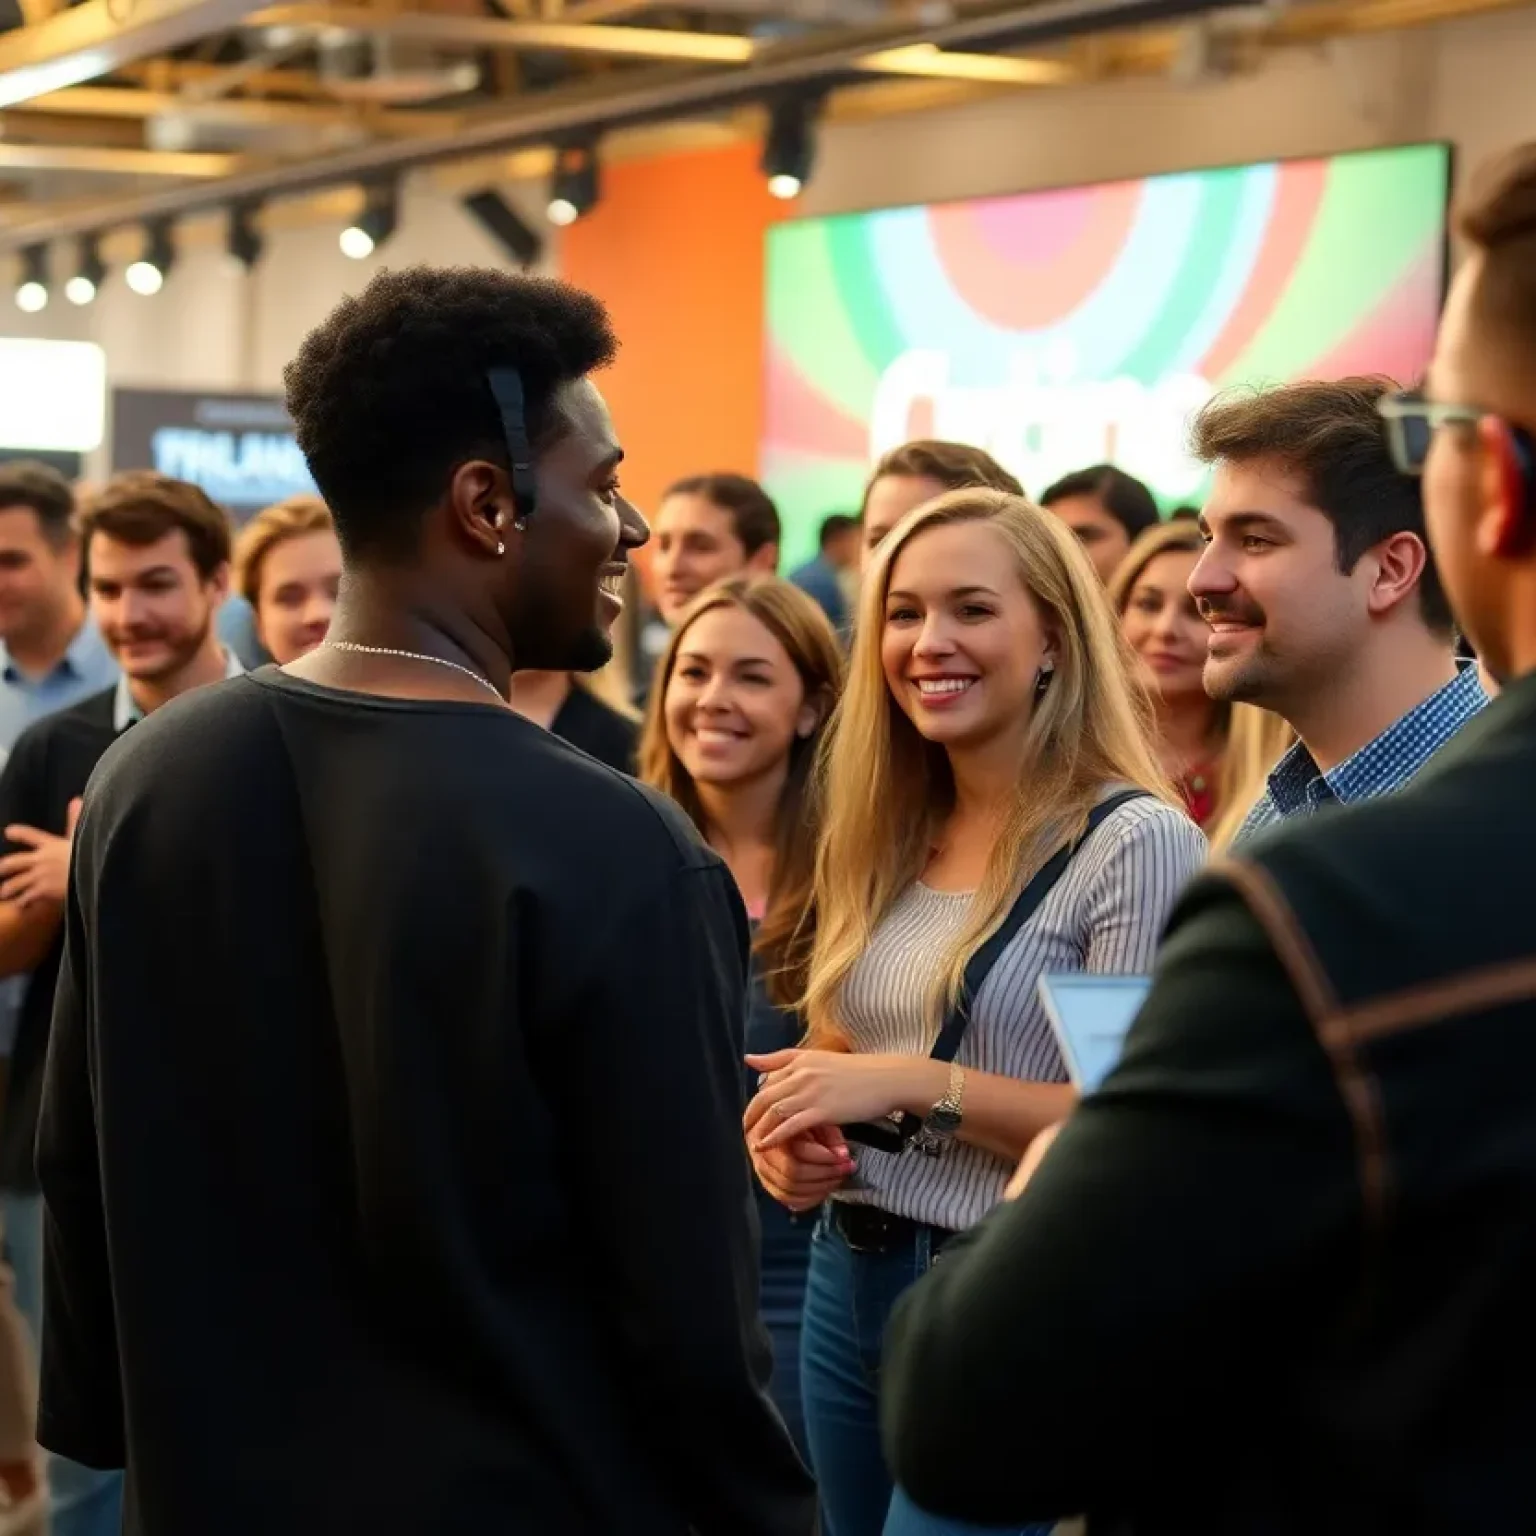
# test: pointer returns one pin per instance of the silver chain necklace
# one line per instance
(437, 661)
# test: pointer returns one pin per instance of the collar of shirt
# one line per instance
(1297, 786)
(126, 712)
(85, 658)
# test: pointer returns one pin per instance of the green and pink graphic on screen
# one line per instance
(1060, 329)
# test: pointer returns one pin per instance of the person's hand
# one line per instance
(1034, 1155)
(803, 1173)
(804, 1090)
(40, 872)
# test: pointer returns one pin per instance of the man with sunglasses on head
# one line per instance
(1276, 1275)
(391, 1144)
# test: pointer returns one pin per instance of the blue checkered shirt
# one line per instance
(1298, 787)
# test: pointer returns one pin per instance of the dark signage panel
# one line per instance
(238, 448)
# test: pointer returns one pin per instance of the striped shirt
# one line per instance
(1298, 787)
(1105, 914)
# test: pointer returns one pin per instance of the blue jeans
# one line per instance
(849, 1298)
(86, 1502)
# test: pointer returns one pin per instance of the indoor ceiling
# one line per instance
(117, 111)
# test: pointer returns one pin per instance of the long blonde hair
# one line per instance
(1251, 738)
(887, 791)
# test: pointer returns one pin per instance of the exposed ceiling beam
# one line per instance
(100, 161)
(24, 126)
(635, 97)
(89, 40)
(108, 101)
(640, 42)
(493, 32)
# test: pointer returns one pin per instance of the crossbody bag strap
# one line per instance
(1025, 905)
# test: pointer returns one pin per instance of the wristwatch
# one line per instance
(942, 1121)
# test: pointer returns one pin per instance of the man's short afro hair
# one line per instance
(389, 394)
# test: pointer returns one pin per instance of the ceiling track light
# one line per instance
(147, 275)
(573, 188)
(90, 272)
(377, 222)
(243, 237)
(32, 290)
(789, 148)
(502, 222)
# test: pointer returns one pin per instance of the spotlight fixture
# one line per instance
(376, 223)
(32, 290)
(90, 272)
(789, 150)
(502, 222)
(147, 275)
(573, 189)
(243, 239)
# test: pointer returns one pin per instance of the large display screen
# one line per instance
(1068, 328)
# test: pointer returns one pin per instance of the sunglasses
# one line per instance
(1412, 421)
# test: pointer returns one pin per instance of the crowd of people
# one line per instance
(447, 1091)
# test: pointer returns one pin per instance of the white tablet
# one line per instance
(1090, 1017)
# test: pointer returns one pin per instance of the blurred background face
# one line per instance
(1164, 626)
(300, 577)
(696, 546)
(963, 641)
(734, 702)
(1102, 534)
(152, 606)
(1284, 619)
(889, 500)
(35, 574)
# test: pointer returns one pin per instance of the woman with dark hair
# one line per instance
(747, 682)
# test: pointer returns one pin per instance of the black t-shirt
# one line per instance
(599, 731)
(391, 1138)
(48, 767)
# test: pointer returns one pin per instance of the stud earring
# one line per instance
(501, 548)
(520, 524)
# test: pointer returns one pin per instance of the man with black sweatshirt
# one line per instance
(391, 1144)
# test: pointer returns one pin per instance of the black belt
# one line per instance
(868, 1229)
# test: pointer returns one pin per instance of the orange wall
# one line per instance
(674, 247)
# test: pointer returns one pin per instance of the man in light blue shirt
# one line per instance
(51, 655)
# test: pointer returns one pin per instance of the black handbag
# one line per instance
(893, 1133)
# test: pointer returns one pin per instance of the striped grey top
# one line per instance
(1105, 914)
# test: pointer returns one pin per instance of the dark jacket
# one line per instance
(1278, 1275)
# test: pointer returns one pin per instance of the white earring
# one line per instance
(501, 548)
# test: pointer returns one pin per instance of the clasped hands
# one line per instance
(40, 871)
(804, 1097)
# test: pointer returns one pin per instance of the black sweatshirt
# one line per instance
(391, 1139)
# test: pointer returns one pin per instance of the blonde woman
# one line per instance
(991, 718)
(288, 568)
(1218, 754)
